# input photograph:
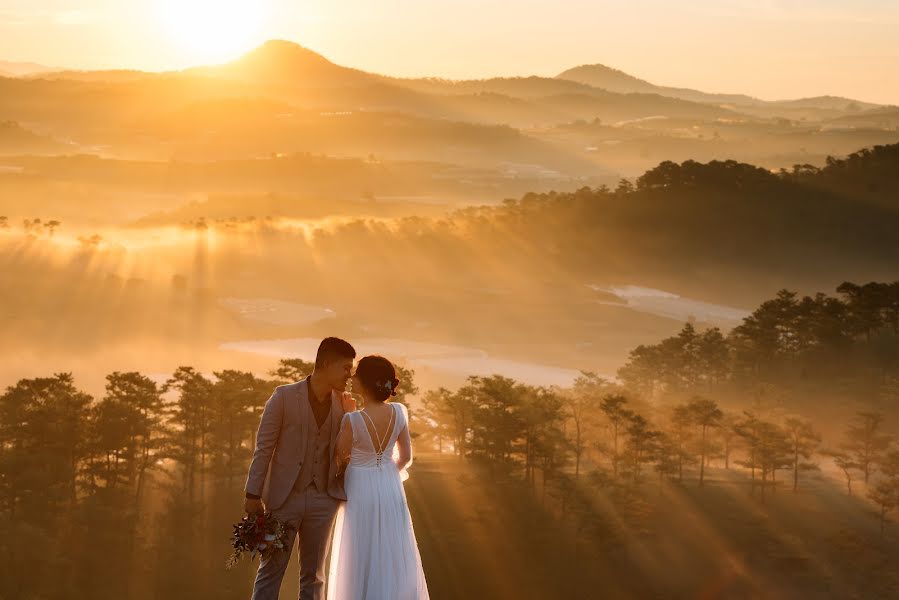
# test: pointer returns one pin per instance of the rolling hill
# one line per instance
(604, 77)
(284, 98)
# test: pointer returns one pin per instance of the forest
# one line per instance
(125, 494)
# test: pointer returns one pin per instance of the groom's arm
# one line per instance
(344, 446)
(266, 439)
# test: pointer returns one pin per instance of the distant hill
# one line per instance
(104, 75)
(829, 103)
(607, 78)
(285, 70)
(281, 62)
(885, 117)
(285, 98)
(19, 69)
(563, 100)
(614, 80)
(519, 87)
(15, 139)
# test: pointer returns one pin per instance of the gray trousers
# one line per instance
(309, 514)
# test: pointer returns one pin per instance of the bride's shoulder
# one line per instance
(348, 416)
(402, 408)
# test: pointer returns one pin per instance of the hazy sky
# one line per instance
(768, 48)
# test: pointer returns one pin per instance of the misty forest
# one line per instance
(662, 323)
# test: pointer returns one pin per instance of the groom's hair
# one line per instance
(331, 348)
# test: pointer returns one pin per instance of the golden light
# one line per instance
(214, 30)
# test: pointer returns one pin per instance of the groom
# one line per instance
(293, 473)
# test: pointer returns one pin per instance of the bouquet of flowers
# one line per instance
(262, 534)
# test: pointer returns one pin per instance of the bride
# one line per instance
(374, 555)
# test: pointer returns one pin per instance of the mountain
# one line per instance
(614, 80)
(516, 87)
(15, 139)
(607, 78)
(279, 62)
(829, 103)
(283, 98)
(285, 72)
(103, 75)
(20, 69)
(885, 117)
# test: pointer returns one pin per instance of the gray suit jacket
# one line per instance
(281, 442)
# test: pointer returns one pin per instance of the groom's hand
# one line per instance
(254, 506)
(349, 405)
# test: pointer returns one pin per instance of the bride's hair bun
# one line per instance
(378, 375)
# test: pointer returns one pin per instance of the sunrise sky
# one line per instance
(769, 48)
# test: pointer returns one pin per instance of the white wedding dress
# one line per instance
(374, 555)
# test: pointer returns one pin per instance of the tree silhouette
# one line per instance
(885, 492)
(435, 405)
(804, 440)
(640, 445)
(773, 452)
(143, 397)
(705, 414)
(886, 496)
(846, 464)
(497, 424)
(625, 187)
(727, 434)
(236, 397)
(866, 304)
(681, 436)
(747, 429)
(543, 416)
(51, 226)
(580, 407)
(44, 417)
(290, 370)
(686, 362)
(667, 457)
(864, 442)
(31, 227)
(644, 370)
(766, 335)
(452, 413)
(407, 389)
(191, 414)
(113, 452)
(613, 406)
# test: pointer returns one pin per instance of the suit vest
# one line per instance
(316, 454)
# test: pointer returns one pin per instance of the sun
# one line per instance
(212, 30)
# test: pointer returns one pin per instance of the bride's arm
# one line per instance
(404, 443)
(344, 444)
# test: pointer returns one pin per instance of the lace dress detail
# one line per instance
(381, 445)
